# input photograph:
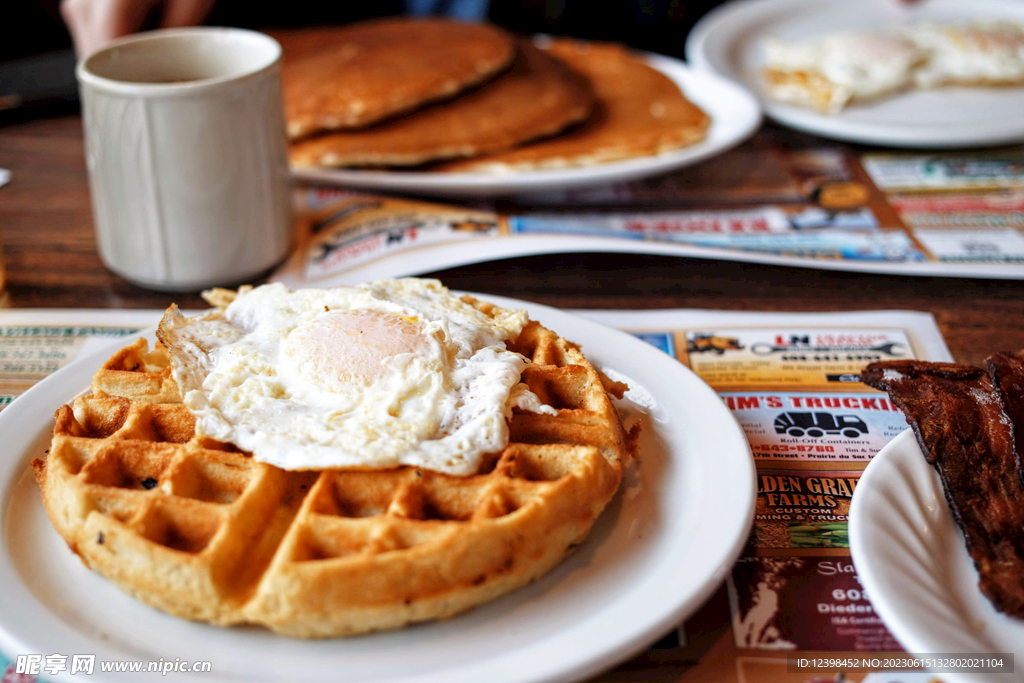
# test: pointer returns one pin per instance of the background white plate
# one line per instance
(663, 545)
(735, 115)
(728, 41)
(911, 559)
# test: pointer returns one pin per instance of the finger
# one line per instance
(80, 18)
(185, 12)
(93, 23)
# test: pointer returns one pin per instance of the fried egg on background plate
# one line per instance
(394, 372)
(989, 53)
(829, 72)
(835, 69)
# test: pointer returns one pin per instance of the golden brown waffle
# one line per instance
(137, 373)
(201, 530)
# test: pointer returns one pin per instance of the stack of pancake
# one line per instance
(458, 97)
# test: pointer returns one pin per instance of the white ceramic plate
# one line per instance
(728, 41)
(735, 115)
(911, 559)
(663, 545)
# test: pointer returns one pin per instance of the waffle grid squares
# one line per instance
(317, 554)
(137, 462)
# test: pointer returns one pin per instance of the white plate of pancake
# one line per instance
(730, 42)
(662, 546)
(734, 112)
(911, 561)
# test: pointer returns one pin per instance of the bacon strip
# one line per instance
(1007, 371)
(970, 425)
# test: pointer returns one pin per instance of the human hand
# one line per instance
(95, 22)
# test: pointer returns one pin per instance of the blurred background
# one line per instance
(37, 55)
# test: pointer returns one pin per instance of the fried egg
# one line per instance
(394, 372)
(971, 54)
(833, 70)
(829, 72)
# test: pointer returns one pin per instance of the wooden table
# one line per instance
(51, 259)
(50, 253)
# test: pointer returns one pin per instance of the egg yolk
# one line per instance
(350, 347)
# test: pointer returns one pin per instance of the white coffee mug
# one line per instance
(185, 146)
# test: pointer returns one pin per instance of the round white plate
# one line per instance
(911, 559)
(735, 115)
(729, 40)
(666, 541)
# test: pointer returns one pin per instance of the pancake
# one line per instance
(362, 74)
(638, 112)
(537, 96)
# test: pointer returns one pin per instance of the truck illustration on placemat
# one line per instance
(819, 424)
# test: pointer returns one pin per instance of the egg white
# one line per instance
(970, 54)
(828, 72)
(858, 65)
(291, 377)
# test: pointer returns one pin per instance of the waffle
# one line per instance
(199, 529)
